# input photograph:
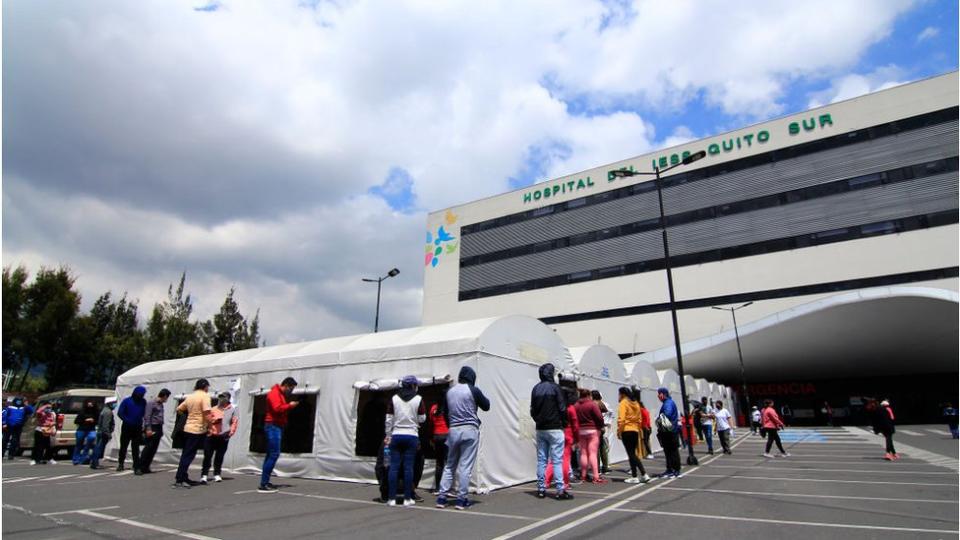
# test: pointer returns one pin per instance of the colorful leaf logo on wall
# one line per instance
(440, 242)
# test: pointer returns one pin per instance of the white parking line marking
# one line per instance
(20, 479)
(122, 473)
(698, 475)
(80, 509)
(61, 477)
(143, 525)
(775, 494)
(94, 475)
(783, 522)
(801, 469)
(792, 460)
(597, 513)
(913, 433)
(937, 432)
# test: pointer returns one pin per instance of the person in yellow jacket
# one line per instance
(628, 431)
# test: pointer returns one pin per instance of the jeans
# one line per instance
(630, 441)
(274, 436)
(98, 450)
(403, 451)
(671, 450)
(550, 448)
(130, 435)
(11, 440)
(462, 445)
(214, 449)
(85, 445)
(589, 445)
(953, 431)
(440, 449)
(708, 436)
(567, 452)
(150, 445)
(191, 443)
(724, 435)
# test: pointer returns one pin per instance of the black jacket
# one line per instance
(547, 404)
(882, 423)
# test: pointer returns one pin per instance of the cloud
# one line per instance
(291, 147)
(929, 32)
(855, 85)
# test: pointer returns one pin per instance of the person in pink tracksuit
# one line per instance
(771, 423)
(591, 423)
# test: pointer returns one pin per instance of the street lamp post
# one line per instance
(379, 282)
(736, 332)
(691, 458)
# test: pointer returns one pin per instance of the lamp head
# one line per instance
(393, 272)
(694, 157)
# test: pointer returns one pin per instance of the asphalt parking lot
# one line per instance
(835, 485)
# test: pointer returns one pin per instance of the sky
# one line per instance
(291, 148)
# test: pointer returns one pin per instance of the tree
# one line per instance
(14, 297)
(119, 342)
(170, 333)
(49, 308)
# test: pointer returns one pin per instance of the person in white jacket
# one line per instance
(405, 412)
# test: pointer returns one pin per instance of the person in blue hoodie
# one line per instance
(131, 412)
(668, 429)
(14, 417)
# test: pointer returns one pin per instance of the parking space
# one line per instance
(834, 485)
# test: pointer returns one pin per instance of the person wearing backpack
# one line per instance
(668, 428)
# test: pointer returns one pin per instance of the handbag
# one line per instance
(663, 424)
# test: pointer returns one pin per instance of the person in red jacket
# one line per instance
(771, 423)
(438, 420)
(273, 424)
(571, 434)
(646, 427)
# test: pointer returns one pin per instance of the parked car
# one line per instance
(67, 403)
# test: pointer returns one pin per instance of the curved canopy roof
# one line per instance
(670, 380)
(644, 375)
(882, 331)
(599, 362)
(513, 337)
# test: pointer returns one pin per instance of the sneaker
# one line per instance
(888, 456)
(52, 462)
(632, 480)
(217, 478)
(645, 478)
(203, 479)
(785, 454)
(767, 455)
(392, 502)
(137, 472)
(417, 497)
(409, 502)
(896, 456)
(267, 489)
(32, 462)
(564, 496)
(182, 485)
(271, 486)
(463, 504)
(441, 502)
(541, 494)
(600, 480)
(678, 475)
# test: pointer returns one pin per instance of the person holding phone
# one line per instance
(278, 405)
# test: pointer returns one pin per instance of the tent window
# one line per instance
(372, 414)
(297, 436)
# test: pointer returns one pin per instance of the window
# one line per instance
(74, 404)
(297, 436)
(372, 417)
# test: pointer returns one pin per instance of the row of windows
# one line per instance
(866, 181)
(746, 250)
(875, 132)
(769, 294)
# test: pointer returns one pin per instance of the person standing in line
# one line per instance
(463, 440)
(131, 412)
(646, 426)
(571, 434)
(884, 423)
(605, 432)
(15, 416)
(827, 411)
(786, 414)
(46, 428)
(405, 413)
(698, 420)
(86, 435)
(105, 427)
(628, 431)
(274, 422)
(723, 417)
(223, 425)
(591, 422)
(152, 430)
(197, 407)
(668, 428)
(548, 408)
(707, 417)
(771, 424)
(755, 421)
(950, 414)
(437, 415)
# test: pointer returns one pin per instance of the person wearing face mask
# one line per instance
(86, 437)
(223, 425)
(14, 417)
(152, 430)
(278, 404)
(105, 425)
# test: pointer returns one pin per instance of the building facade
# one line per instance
(852, 196)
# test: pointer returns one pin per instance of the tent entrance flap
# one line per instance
(372, 415)
(297, 436)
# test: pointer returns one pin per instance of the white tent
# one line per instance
(703, 390)
(671, 381)
(599, 367)
(342, 379)
(645, 377)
